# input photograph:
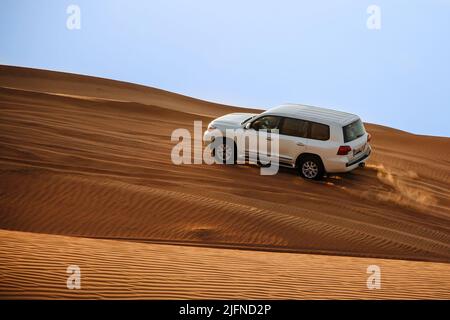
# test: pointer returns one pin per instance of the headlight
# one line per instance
(211, 127)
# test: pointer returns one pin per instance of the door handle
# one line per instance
(269, 138)
(300, 144)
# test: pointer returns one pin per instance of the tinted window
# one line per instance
(266, 123)
(294, 127)
(319, 131)
(353, 131)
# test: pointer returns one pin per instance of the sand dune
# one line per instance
(90, 157)
(35, 265)
(74, 85)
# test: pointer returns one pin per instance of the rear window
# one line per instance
(319, 131)
(353, 131)
(294, 127)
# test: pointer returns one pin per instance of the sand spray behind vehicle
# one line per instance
(405, 192)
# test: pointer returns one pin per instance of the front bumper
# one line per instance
(208, 138)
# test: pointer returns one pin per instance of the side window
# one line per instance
(294, 127)
(319, 131)
(266, 123)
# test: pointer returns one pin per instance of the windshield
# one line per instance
(354, 130)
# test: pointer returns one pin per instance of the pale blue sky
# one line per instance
(253, 53)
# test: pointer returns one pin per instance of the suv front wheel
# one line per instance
(311, 167)
(225, 152)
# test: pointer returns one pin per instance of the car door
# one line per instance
(293, 139)
(267, 123)
(319, 140)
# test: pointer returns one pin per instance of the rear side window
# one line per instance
(294, 127)
(353, 131)
(319, 131)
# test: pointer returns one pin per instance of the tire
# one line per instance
(311, 167)
(225, 152)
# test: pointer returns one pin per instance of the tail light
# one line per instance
(344, 150)
(369, 137)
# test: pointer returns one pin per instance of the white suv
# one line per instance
(313, 140)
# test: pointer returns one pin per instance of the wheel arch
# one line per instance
(304, 155)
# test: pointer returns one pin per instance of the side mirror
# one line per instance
(247, 125)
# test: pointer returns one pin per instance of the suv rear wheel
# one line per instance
(311, 167)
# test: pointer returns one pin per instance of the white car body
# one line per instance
(314, 123)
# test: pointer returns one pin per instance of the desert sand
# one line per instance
(87, 179)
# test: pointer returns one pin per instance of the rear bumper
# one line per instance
(357, 161)
(342, 164)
